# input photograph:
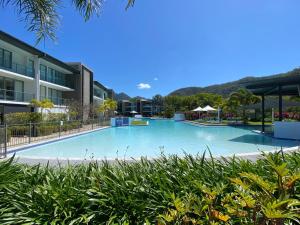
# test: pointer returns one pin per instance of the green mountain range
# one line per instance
(226, 88)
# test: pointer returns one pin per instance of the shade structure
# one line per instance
(133, 112)
(209, 108)
(198, 109)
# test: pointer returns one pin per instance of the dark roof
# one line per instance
(97, 83)
(26, 47)
(290, 85)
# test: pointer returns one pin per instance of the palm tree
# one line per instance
(107, 107)
(242, 98)
(42, 18)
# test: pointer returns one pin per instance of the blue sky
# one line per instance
(158, 46)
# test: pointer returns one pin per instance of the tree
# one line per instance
(44, 104)
(242, 98)
(157, 102)
(42, 18)
(107, 107)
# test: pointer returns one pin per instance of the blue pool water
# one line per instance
(160, 136)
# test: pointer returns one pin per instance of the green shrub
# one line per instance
(54, 117)
(18, 130)
(168, 190)
(169, 112)
(46, 129)
(23, 118)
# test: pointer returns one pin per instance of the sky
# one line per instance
(159, 46)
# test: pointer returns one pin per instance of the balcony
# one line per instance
(60, 81)
(15, 96)
(98, 93)
(20, 69)
(56, 100)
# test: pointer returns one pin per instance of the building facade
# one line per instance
(143, 107)
(27, 73)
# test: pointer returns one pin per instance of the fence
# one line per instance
(14, 135)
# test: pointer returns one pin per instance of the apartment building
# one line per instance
(141, 106)
(27, 73)
(100, 93)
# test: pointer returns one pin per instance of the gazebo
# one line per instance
(278, 86)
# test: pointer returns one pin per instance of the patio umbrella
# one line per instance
(209, 108)
(133, 112)
(199, 109)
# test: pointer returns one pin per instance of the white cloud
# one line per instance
(155, 78)
(142, 86)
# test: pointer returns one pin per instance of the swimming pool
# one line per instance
(160, 136)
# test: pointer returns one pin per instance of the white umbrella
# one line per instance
(199, 109)
(209, 108)
(133, 112)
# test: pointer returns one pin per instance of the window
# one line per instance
(43, 93)
(1, 56)
(30, 68)
(12, 90)
(55, 96)
(1, 87)
(9, 86)
(19, 87)
(51, 75)
(43, 72)
(5, 58)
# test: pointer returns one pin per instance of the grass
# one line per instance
(169, 190)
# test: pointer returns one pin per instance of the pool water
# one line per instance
(160, 136)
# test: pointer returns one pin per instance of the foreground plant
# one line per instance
(168, 190)
(268, 199)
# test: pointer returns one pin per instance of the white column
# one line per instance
(37, 77)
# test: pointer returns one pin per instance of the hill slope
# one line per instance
(226, 88)
(122, 96)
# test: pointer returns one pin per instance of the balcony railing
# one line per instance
(15, 96)
(20, 69)
(55, 100)
(63, 82)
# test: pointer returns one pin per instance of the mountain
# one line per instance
(122, 96)
(226, 88)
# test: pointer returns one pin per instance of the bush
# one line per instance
(168, 190)
(23, 118)
(46, 129)
(169, 112)
(54, 117)
(18, 130)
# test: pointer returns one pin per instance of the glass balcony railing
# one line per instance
(60, 81)
(20, 69)
(56, 100)
(15, 96)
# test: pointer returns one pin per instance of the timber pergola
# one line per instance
(278, 86)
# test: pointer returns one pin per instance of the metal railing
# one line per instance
(15, 96)
(18, 68)
(15, 135)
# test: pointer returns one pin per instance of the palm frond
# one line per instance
(88, 8)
